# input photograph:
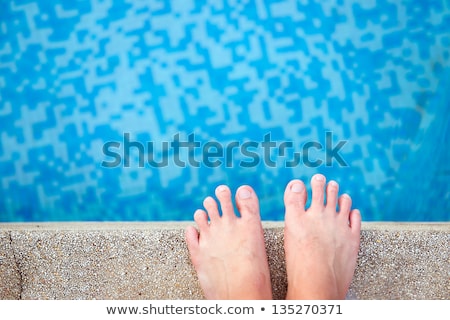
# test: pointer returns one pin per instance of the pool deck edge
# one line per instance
(149, 260)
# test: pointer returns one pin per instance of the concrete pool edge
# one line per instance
(149, 260)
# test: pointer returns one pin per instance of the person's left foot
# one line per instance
(229, 252)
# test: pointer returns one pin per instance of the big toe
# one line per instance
(247, 202)
(295, 196)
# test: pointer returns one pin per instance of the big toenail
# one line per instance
(297, 187)
(244, 194)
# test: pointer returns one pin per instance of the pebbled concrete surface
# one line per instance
(150, 261)
(403, 261)
(10, 279)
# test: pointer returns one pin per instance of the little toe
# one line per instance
(317, 185)
(355, 221)
(201, 218)
(332, 195)
(192, 241)
(247, 202)
(295, 196)
(223, 193)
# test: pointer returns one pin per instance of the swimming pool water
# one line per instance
(79, 80)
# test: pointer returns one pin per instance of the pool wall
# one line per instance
(150, 261)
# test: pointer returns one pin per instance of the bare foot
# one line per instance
(229, 253)
(321, 244)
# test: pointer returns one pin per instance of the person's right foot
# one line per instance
(321, 243)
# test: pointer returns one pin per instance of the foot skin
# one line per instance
(321, 243)
(228, 252)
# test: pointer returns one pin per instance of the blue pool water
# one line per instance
(227, 92)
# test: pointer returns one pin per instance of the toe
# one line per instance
(295, 196)
(223, 193)
(345, 204)
(247, 202)
(355, 221)
(317, 186)
(201, 218)
(192, 241)
(211, 207)
(332, 192)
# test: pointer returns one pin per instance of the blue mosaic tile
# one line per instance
(77, 75)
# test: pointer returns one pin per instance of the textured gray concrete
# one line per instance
(403, 261)
(10, 282)
(150, 261)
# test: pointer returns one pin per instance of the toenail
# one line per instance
(221, 188)
(333, 184)
(319, 177)
(297, 187)
(244, 194)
